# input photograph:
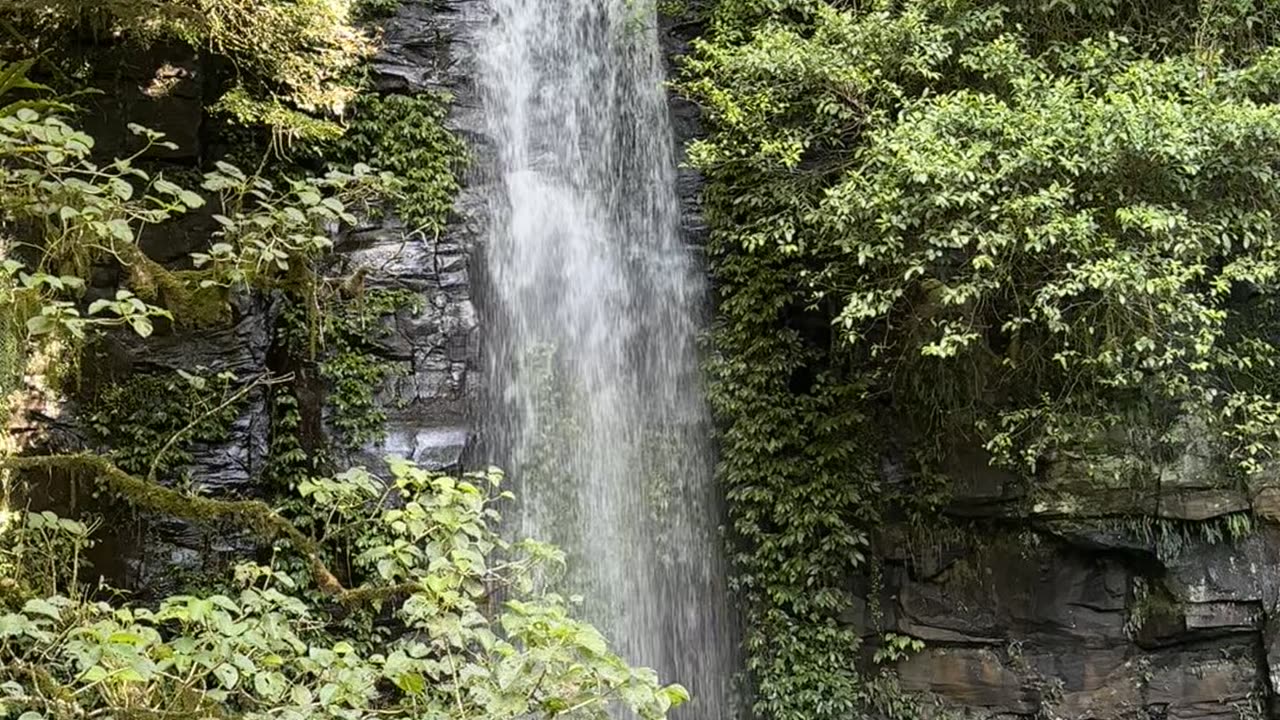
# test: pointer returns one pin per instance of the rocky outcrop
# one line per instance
(1093, 596)
(429, 46)
(676, 32)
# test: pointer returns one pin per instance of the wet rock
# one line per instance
(428, 46)
(159, 87)
(435, 448)
(1058, 629)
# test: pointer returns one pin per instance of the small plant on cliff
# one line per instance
(895, 647)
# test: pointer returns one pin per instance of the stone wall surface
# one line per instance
(1086, 598)
(429, 47)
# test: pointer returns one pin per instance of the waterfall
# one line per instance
(596, 305)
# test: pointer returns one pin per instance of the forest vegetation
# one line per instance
(1045, 230)
(1039, 231)
(360, 594)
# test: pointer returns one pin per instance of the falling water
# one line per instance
(596, 305)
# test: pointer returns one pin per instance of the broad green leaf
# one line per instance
(40, 606)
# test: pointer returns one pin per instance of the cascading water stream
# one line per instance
(596, 305)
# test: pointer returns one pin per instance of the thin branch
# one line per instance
(255, 515)
(260, 381)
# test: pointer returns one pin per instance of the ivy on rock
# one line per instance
(406, 135)
(1024, 227)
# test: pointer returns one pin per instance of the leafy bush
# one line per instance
(475, 633)
(61, 212)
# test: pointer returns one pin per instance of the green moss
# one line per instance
(181, 292)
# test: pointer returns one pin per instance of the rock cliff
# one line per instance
(1086, 598)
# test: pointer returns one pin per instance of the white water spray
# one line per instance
(596, 306)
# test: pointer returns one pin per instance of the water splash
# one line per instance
(596, 306)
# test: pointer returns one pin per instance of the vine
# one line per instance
(141, 415)
(406, 135)
(343, 340)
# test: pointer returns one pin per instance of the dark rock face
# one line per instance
(429, 47)
(1054, 607)
(161, 88)
(676, 33)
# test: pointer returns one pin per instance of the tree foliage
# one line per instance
(423, 556)
(1027, 226)
(296, 62)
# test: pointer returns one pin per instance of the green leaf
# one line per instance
(13, 625)
(227, 675)
(301, 695)
(121, 188)
(190, 199)
(120, 230)
(41, 325)
(269, 684)
(40, 606)
(126, 638)
(141, 325)
(677, 695)
(412, 683)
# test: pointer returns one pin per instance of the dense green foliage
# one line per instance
(1029, 227)
(137, 418)
(405, 135)
(273, 645)
(296, 61)
(343, 341)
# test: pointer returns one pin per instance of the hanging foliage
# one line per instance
(1030, 227)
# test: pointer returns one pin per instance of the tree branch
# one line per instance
(255, 515)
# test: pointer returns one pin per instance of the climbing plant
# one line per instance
(406, 135)
(1027, 227)
(343, 342)
(150, 421)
